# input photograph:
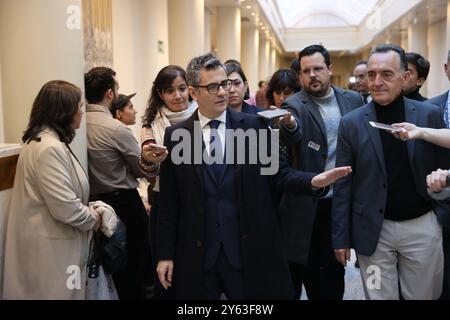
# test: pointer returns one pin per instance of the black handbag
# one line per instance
(111, 252)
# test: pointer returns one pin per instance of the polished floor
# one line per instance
(353, 282)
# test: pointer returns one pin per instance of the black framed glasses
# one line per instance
(213, 88)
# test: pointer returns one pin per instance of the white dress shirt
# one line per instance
(206, 129)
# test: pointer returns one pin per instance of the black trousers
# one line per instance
(323, 276)
(223, 278)
(130, 283)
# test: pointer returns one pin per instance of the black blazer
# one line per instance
(440, 101)
(250, 109)
(360, 199)
(298, 213)
(181, 219)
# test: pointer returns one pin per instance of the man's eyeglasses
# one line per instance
(213, 88)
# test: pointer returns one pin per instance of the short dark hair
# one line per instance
(232, 61)
(231, 67)
(384, 48)
(54, 107)
(309, 51)
(295, 66)
(283, 78)
(422, 65)
(207, 61)
(120, 103)
(163, 81)
(260, 83)
(364, 62)
(97, 82)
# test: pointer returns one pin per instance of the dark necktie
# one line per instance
(215, 148)
(366, 97)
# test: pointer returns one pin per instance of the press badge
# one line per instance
(313, 146)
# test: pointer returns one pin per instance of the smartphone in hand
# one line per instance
(385, 127)
(155, 148)
(271, 114)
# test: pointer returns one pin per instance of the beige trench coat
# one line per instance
(48, 230)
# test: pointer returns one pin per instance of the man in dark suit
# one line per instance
(383, 209)
(360, 74)
(418, 68)
(305, 221)
(217, 229)
(443, 100)
(443, 103)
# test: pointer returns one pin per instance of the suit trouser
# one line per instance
(323, 276)
(130, 282)
(409, 251)
(223, 278)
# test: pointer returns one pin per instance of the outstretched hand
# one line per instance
(329, 177)
(287, 120)
(410, 131)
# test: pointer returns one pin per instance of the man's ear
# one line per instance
(406, 76)
(193, 93)
(330, 68)
(117, 114)
(109, 94)
(420, 81)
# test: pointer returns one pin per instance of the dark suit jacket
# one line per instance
(440, 101)
(297, 213)
(359, 200)
(249, 109)
(181, 219)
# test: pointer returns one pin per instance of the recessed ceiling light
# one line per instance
(249, 7)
